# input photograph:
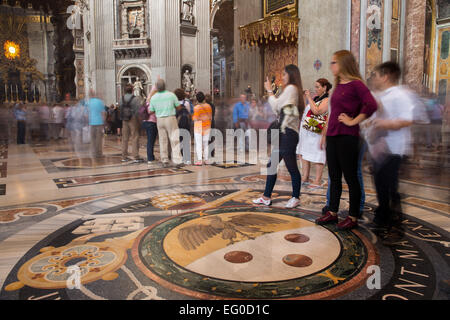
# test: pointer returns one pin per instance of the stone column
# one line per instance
(203, 63)
(414, 43)
(102, 36)
(165, 41)
(248, 64)
(315, 44)
(355, 29)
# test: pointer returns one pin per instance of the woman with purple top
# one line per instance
(351, 103)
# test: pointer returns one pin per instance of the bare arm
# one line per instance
(351, 122)
(394, 124)
(321, 108)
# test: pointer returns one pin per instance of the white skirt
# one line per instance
(309, 145)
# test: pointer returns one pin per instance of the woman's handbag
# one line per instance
(315, 123)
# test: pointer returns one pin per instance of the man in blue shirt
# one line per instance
(21, 117)
(240, 112)
(240, 119)
(97, 116)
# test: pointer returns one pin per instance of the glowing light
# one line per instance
(12, 50)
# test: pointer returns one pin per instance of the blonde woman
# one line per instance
(351, 104)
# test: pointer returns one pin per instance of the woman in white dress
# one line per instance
(313, 121)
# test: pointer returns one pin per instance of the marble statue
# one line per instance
(187, 81)
(138, 88)
(187, 12)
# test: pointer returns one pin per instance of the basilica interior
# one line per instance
(146, 231)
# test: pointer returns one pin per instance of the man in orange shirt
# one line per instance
(202, 128)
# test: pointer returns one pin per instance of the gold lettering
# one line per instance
(44, 297)
(430, 235)
(418, 228)
(402, 270)
(411, 284)
(385, 297)
(403, 244)
(409, 254)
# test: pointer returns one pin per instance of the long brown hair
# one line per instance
(296, 80)
(348, 67)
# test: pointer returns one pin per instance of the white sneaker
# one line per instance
(262, 201)
(294, 202)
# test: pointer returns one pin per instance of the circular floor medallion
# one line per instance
(253, 250)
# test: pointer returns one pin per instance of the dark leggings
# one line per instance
(342, 157)
(152, 133)
(287, 152)
(386, 184)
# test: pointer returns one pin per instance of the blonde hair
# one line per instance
(348, 67)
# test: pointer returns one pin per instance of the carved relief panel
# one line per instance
(133, 19)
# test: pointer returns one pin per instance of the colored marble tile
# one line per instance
(232, 165)
(68, 203)
(11, 215)
(116, 177)
(442, 207)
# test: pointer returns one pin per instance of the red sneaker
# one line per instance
(327, 219)
(347, 224)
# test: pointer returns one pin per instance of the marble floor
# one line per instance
(146, 232)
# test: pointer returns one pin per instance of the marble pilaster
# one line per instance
(203, 63)
(414, 43)
(165, 31)
(102, 33)
(322, 32)
(355, 28)
(248, 63)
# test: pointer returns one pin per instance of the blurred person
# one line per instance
(33, 123)
(241, 112)
(165, 104)
(289, 106)
(202, 118)
(20, 115)
(209, 100)
(267, 110)
(249, 92)
(351, 103)
(150, 125)
(57, 121)
(44, 116)
(313, 122)
(117, 122)
(77, 119)
(395, 119)
(111, 119)
(65, 132)
(445, 131)
(183, 114)
(129, 113)
(435, 113)
(97, 117)
(187, 102)
(258, 119)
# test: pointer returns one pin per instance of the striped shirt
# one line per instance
(202, 118)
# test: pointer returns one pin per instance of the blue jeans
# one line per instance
(362, 151)
(152, 133)
(288, 146)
